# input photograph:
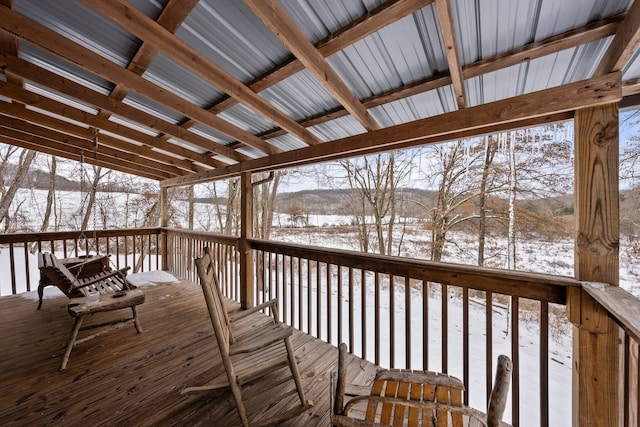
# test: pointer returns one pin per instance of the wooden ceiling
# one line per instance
(32, 118)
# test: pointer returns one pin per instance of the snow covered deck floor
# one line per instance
(122, 378)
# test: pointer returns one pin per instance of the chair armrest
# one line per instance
(244, 313)
(100, 277)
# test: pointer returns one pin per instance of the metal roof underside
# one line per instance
(185, 87)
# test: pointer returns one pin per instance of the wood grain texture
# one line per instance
(141, 375)
(596, 339)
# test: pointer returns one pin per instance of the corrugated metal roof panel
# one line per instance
(420, 106)
(250, 152)
(563, 67)
(231, 36)
(59, 66)
(168, 74)
(247, 119)
(300, 96)
(287, 142)
(632, 70)
(82, 25)
(209, 133)
(337, 128)
(153, 108)
(319, 18)
(151, 8)
(60, 97)
(490, 27)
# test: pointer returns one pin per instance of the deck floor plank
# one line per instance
(122, 378)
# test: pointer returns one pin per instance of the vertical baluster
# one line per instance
(351, 310)
(488, 343)
(407, 321)
(425, 324)
(339, 308)
(64, 248)
(26, 266)
(515, 359)
(445, 327)
(285, 300)
(292, 290)
(363, 311)
(118, 252)
(75, 247)
(626, 402)
(12, 263)
(300, 296)
(329, 313)
(465, 343)
(309, 297)
(544, 363)
(133, 242)
(319, 301)
(377, 317)
(392, 322)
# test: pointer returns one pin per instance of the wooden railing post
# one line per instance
(246, 232)
(164, 223)
(596, 343)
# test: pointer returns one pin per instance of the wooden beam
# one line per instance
(274, 17)
(624, 43)
(103, 123)
(533, 107)
(46, 121)
(76, 91)
(567, 40)
(380, 17)
(631, 87)
(42, 36)
(87, 145)
(596, 348)
(55, 148)
(447, 29)
(246, 232)
(170, 18)
(139, 24)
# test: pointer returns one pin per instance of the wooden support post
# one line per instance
(246, 232)
(164, 222)
(596, 344)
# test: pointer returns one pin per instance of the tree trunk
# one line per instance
(26, 157)
(490, 151)
(192, 201)
(51, 194)
(92, 197)
(511, 245)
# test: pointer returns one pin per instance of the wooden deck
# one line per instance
(122, 378)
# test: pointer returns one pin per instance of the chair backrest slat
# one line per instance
(209, 282)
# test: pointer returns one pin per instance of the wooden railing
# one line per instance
(395, 312)
(135, 248)
(624, 309)
(184, 246)
(458, 318)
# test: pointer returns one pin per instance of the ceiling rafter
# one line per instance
(625, 42)
(77, 131)
(30, 142)
(535, 107)
(48, 79)
(277, 20)
(447, 29)
(170, 18)
(570, 39)
(43, 37)
(380, 17)
(586, 34)
(146, 29)
(77, 146)
(85, 144)
(29, 98)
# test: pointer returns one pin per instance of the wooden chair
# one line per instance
(247, 354)
(79, 267)
(114, 292)
(416, 398)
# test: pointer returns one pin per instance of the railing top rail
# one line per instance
(622, 306)
(74, 234)
(545, 287)
(214, 237)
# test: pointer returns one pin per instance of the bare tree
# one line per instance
(24, 163)
(374, 181)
